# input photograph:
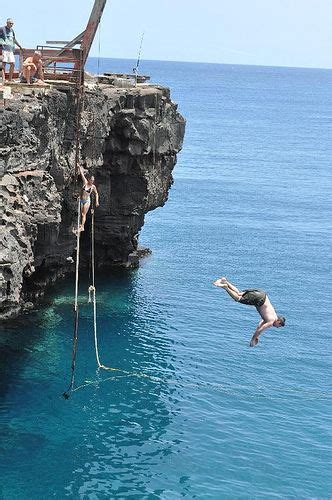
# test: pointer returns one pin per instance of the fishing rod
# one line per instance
(135, 70)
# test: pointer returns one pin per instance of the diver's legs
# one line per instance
(231, 286)
(230, 289)
(236, 295)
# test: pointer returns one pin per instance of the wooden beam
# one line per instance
(92, 27)
(57, 42)
(69, 45)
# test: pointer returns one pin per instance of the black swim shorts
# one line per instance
(253, 297)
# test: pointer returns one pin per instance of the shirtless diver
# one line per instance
(259, 299)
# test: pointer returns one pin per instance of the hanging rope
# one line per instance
(79, 109)
(92, 287)
(66, 394)
(77, 253)
(154, 129)
(98, 60)
(93, 301)
(70, 389)
(92, 295)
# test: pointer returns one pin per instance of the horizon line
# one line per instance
(217, 63)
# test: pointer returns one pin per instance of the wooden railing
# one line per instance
(59, 64)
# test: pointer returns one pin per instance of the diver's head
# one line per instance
(280, 321)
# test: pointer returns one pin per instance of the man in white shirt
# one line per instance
(7, 44)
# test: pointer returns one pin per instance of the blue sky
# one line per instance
(261, 32)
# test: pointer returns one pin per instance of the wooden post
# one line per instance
(92, 27)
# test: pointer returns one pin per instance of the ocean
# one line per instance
(195, 412)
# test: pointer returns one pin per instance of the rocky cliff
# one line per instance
(129, 140)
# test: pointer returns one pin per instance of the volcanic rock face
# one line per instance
(129, 139)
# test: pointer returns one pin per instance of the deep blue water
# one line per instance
(252, 201)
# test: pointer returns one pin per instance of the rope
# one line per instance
(126, 374)
(67, 393)
(92, 296)
(154, 131)
(92, 287)
(98, 61)
(92, 299)
(228, 389)
(79, 105)
(93, 246)
(77, 252)
(79, 109)
(70, 389)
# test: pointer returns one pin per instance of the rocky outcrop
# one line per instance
(129, 139)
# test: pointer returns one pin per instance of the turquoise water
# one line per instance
(251, 200)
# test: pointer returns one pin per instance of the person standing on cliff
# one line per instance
(257, 298)
(7, 43)
(85, 200)
(2, 73)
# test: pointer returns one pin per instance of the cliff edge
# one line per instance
(129, 140)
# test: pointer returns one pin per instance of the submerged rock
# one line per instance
(129, 140)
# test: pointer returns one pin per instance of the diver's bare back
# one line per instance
(267, 311)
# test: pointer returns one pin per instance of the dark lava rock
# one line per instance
(129, 141)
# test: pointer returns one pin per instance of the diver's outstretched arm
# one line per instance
(263, 325)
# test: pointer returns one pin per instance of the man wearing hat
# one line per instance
(7, 45)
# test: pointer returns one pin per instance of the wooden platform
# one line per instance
(24, 88)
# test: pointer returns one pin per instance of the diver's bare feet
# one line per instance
(220, 283)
